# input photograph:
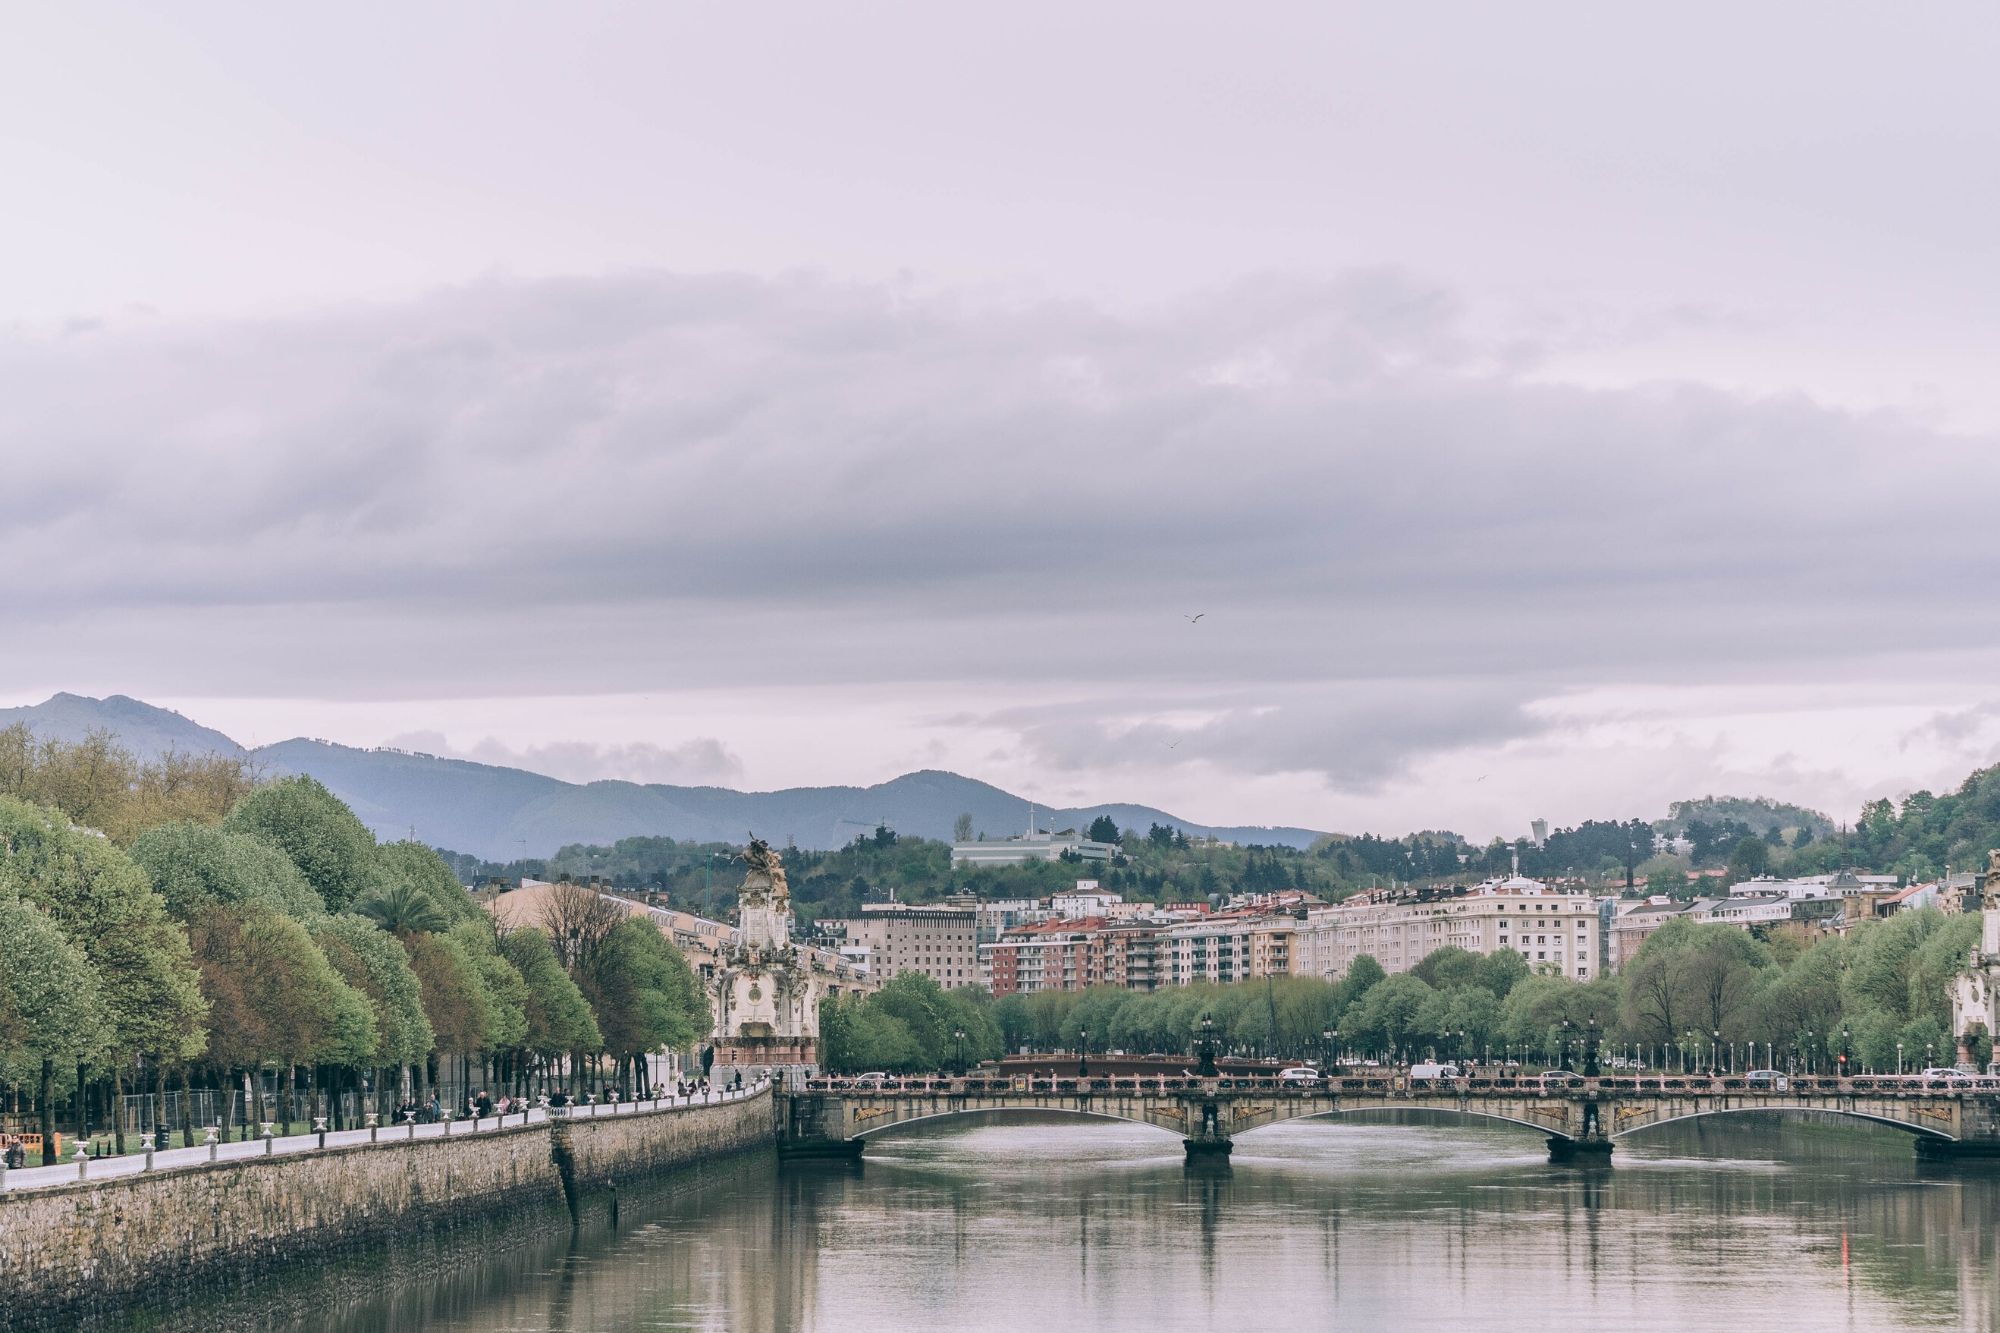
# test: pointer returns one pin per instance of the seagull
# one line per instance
(1171, 745)
(1192, 619)
(1482, 777)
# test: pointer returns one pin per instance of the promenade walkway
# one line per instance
(72, 1170)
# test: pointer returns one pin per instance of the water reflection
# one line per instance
(1363, 1223)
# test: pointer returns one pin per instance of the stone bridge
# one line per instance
(1579, 1119)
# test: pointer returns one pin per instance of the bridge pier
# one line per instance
(1207, 1152)
(1580, 1152)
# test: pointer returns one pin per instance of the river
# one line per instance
(1046, 1227)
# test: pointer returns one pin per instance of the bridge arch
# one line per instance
(1873, 1118)
(969, 1112)
(1425, 1107)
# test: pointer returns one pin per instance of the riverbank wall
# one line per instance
(131, 1250)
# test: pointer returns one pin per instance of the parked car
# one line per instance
(873, 1081)
(1951, 1077)
(1559, 1079)
(1775, 1079)
(1299, 1076)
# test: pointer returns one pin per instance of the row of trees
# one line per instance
(1795, 997)
(279, 939)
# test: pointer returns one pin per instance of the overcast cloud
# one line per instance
(1482, 398)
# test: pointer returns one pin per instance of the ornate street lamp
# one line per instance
(1899, 1059)
(1590, 1065)
(1715, 1053)
(1565, 1046)
(1334, 1037)
(1844, 1053)
(1326, 1047)
(1083, 1053)
(1207, 1069)
(958, 1049)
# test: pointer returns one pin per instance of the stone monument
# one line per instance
(1975, 994)
(766, 993)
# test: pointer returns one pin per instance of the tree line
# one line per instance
(1879, 993)
(206, 946)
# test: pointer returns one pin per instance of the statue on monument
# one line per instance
(764, 883)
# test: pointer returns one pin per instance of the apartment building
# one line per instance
(940, 940)
(1553, 931)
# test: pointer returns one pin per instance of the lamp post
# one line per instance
(1083, 1053)
(1207, 1069)
(1715, 1053)
(1565, 1046)
(1326, 1047)
(1591, 1068)
(1333, 1038)
(1899, 1059)
(958, 1050)
(1844, 1054)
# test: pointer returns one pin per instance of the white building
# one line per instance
(1555, 932)
(1029, 847)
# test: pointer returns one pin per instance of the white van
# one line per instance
(1426, 1069)
(1299, 1076)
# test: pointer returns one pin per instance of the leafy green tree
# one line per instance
(1500, 971)
(273, 996)
(147, 983)
(1445, 967)
(1362, 975)
(50, 1010)
(558, 1017)
(420, 868)
(1104, 829)
(375, 963)
(1388, 1013)
(198, 865)
(333, 850)
(1750, 858)
(645, 996)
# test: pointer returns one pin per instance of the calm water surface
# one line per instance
(1075, 1225)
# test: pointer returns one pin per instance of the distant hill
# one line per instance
(504, 813)
(146, 731)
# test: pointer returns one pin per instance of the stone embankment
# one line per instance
(86, 1254)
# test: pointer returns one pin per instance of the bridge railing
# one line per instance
(1551, 1084)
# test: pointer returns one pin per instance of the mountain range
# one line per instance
(504, 813)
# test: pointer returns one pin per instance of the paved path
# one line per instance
(173, 1159)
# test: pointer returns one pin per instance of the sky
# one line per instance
(1547, 411)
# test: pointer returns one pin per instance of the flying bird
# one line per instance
(1171, 745)
(1191, 619)
(1482, 777)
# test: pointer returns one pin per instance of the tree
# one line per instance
(1750, 858)
(49, 1006)
(401, 908)
(424, 871)
(273, 996)
(645, 996)
(961, 828)
(332, 849)
(1104, 829)
(375, 963)
(1670, 882)
(1388, 1012)
(194, 866)
(147, 983)
(558, 1016)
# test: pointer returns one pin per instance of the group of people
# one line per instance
(482, 1104)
